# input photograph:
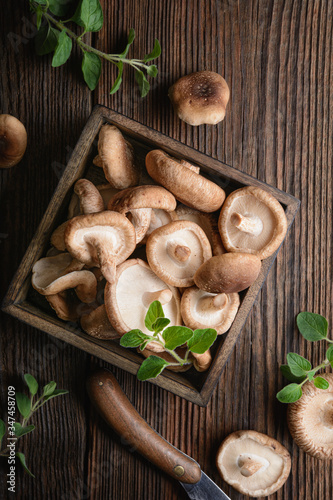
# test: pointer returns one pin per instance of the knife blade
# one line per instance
(115, 408)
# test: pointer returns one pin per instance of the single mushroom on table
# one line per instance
(129, 297)
(310, 419)
(116, 157)
(200, 97)
(202, 309)
(138, 203)
(13, 141)
(104, 239)
(175, 251)
(184, 182)
(253, 463)
(252, 220)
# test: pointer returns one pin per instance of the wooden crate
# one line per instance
(20, 301)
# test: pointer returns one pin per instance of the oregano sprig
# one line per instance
(27, 406)
(169, 337)
(54, 36)
(299, 370)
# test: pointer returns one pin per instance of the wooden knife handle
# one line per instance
(113, 405)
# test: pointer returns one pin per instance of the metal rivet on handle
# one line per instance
(179, 470)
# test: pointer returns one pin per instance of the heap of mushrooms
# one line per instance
(175, 238)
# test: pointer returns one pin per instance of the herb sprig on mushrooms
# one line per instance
(54, 36)
(198, 341)
(299, 370)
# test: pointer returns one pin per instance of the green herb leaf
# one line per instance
(22, 460)
(312, 326)
(91, 69)
(59, 7)
(49, 388)
(152, 70)
(202, 340)
(286, 372)
(154, 312)
(63, 50)
(134, 338)
(329, 355)
(23, 404)
(156, 52)
(119, 78)
(2, 429)
(142, 82)
(311, 374)
(89, 14)
(46, 40)
(31, 383)
(298, 365)
(176, 336)
(321, 383)
(151, 368)
(144, 345)
(130, 40)
(21, 431)
(160, 324)
(39, 15)
(290, 393)
(57, 392)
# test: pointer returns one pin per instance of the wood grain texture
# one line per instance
(276, 56)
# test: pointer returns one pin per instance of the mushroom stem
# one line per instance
(201, 362)
(180, 253)
(213, 303)
(164, 296)
(248, 466)
(251, 224)
(140, 218)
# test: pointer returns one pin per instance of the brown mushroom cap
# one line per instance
(97, 324)
(175, 251)
(186, 185)
(201, 309)
(91, 200)
(228, 273)
(103, 239)
(58, 237)
(253, 463)
(13, 141)
(252, 220)
(310, 419)
(117, 158)
(200, 97)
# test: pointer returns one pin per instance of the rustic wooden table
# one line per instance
(277, 59)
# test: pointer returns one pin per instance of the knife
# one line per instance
(113, 405)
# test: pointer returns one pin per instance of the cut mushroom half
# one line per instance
(104, 240)
(201, 309)
(175, 252)
(129, 297)
(253, 221)
(253, 463)
(310, 419)
(187, 185)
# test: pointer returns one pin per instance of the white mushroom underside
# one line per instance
(317, 419)
(266, 476)
(175, 268)
(47, 270)
(208, 317)
(250, 206)
(109, 237)
(133, 285)
(158, 219)
(199, 219)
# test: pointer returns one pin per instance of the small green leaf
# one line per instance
(160, 324)
(286, 372)
(130, 40)
(23, 404)
(152, 70)
(144, 345)
(202, 340)
(31, 383)
(46, 40)
(290, 393)
(321, 383)
(134, 338)
(154, 312)
(298, 365)
(142, 82)
(63, 50)
(59, 7)
(151, 368)
(22, 460)
(312, 326)
(156, 52)
(311, 374)
(91, 69)
(329, 355)
(49, 388)
(21, 431)
(39, 15)
(2, 429)
(89, 14)
(57, 392)
(119, 78)
(176, 336)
